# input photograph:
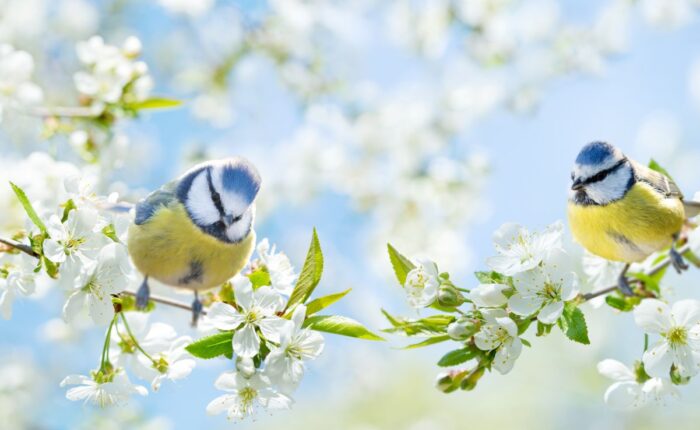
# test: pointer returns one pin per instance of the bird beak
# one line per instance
(577, 185)
(228, 220)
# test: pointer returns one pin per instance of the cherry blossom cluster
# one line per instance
(535, 280)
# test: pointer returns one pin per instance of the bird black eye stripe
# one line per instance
(215, 197)
(604, 173)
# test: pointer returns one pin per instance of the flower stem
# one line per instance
(646, 342)
(104, 360)
(133, 338)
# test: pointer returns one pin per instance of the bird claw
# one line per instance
(142, 295)
(677, 261)
(196, 310)
(624, 286)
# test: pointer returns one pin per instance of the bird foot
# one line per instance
(677, 260)
(624, 286)
(143, 294)
(196, 310)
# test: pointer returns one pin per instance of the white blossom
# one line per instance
(679, 329)
(279, 267)
(501, 333)
(520, 250)
(105, 393)
(20, 280)
(16, 88)
(258, 309)
(544, 290)
(422, 284)
(94, 287)
(628, 392)
(285, 364)
(245, 395)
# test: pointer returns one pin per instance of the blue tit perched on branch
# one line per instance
(196, 232)
(624, 211)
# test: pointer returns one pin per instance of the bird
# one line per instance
(196, 232)
(621, 210)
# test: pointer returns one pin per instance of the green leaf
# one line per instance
(401, 264)
(22, 197)
(653, 165)
(155, 103)
(323, 302)
(259, 278)
(573, 324)
(343, 326)
(50, 267)
(212, 346)
(543, 329)
(310, 274)
(458, 356)
(526, 342)
(622, 303)
(424, 326)
(429, 341)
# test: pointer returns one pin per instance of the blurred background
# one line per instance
(426, 124)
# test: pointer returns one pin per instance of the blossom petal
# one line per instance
(243, 289)
(268, 299)
(489, 295)
(272, 327)
(658, 360)
(624, 395)
(615, 370)
(653, 316)
(686, 312)
(224, 316)
(221, 404)
(506, 355)
(524, 305)
(246, 342)
(551, 312)
(100, 308)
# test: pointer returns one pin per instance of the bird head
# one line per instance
(219, 197)
(601, 174)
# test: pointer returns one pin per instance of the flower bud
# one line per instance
(470, 382)
(132, 47)
(245, 366)
(677, 378)
(445, 383)
(462, 329)
(449, 296)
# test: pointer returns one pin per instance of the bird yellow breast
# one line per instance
(630, 229)
(172, 249)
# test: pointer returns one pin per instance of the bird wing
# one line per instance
(157, 199)
(691, 209)
(659, 181)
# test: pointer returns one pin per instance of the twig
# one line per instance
(20, 247)
(162, 300)
(653, 271)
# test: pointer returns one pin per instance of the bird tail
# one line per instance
(692, 209)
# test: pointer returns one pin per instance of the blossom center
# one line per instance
(247, 396)
(677, 336)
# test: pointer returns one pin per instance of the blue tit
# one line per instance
(196, 232)
(623, 211)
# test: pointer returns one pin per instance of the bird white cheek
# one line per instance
(239, 230)
(199, 202)
(612, 188)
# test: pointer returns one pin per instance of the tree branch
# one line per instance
(162, 300)
(62, 111)
(651, 272)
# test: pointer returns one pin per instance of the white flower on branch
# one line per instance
(422, 284)
(245, 395)
(489, 295)
(16, 88)
(501, 333)
(520, 250)
(632, 391)
(20, 280)
(74, 244)
(115, 390)
(679, 327)
(257, 309)
(95, 286)
(544, 290)
(285, 365)
(279, 267)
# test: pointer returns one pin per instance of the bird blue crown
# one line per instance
(241, 177)
(595, 153)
